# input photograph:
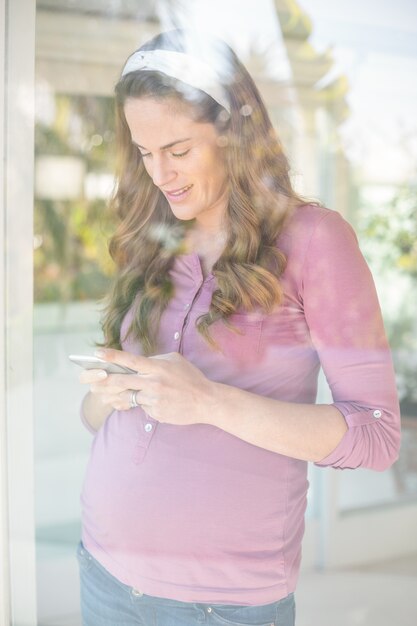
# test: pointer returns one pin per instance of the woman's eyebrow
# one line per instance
(168, 145)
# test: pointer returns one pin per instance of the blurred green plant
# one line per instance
(71, 257)
(394, 228)
(390, 244)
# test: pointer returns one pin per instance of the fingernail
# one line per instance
(100, 353)
(101, 374)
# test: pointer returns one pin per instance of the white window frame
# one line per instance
(17, 518)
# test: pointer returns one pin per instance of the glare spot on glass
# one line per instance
(222, 141)
(169, 236)
(37, 241)
(246, 110)
(45, 108)
(268, 182)
(108, 135)
(223, 116)
(96, 140)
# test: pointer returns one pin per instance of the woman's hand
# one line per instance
(106, 388)
(168, 387)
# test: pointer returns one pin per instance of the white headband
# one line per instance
(181, 66)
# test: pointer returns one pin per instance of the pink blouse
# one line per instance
(196, 514)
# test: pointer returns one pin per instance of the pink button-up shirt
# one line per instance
(196, 514)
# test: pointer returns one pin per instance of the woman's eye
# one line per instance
(174, 154)
(179, 154)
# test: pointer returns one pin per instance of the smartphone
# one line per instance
(92, 362)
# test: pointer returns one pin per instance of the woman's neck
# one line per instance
(208, 245)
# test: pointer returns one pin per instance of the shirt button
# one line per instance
(148, 427)
(136, 592)
(186, 306)
(209, 610)
(177, 335)
(377, 413)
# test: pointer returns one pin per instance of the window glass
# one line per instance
(370, 159)
(338, 81)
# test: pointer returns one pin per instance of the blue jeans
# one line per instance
(105, 601)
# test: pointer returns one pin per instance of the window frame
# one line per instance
(17, 515)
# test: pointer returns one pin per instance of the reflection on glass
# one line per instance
(81, 46)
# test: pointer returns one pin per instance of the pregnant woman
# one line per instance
(230, 292)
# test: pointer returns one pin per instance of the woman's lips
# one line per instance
(179, 195)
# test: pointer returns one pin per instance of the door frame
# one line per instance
(17, 515)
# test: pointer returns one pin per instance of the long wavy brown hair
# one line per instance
(149, 236)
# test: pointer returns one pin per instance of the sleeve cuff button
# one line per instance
(377, 413)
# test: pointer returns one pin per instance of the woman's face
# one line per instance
(182, 157)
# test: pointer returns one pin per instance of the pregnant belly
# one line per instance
(199, 494)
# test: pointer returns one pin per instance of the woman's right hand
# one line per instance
(110, 389)
(97, 404)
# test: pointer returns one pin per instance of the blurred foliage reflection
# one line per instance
(72, 222)
(390, 242)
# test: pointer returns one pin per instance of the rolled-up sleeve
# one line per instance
(346, 328)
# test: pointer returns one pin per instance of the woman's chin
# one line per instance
(183, 213)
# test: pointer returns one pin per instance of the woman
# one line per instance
(230, 292)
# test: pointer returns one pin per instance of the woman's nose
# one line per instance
(162, 172)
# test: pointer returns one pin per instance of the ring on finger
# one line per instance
(133, 402)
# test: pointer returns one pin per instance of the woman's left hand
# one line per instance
(168, 387)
